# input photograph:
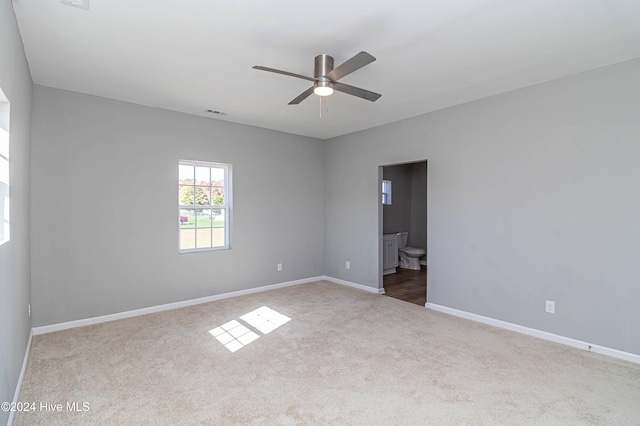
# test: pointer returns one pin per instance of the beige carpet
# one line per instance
(320, 354)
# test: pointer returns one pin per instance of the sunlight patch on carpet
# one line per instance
(265, 319)
(235, 335)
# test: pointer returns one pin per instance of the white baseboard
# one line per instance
(16, 394)
(627, 356)
(166, 307)
(354, 285)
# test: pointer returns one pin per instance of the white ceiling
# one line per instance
(193, 55)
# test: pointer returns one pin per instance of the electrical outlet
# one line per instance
(551, 307)
(279, 267)
(347, 265)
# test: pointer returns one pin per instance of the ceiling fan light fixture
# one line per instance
(323, 90)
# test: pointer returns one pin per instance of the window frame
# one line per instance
(226, 207)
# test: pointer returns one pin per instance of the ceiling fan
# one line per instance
(325, 77)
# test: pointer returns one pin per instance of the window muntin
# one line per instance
(204, 201)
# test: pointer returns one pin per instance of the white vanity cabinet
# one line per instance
(390, 253)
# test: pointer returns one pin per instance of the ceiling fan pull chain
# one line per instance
(320, 97)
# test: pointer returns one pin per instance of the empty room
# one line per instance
(356, 212)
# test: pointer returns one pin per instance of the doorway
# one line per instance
(403, 222)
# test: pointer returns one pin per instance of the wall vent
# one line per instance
(216, 112)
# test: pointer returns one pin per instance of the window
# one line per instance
(386, 192)
(204, 200)
(4, 169)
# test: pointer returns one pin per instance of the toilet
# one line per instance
(409, 256)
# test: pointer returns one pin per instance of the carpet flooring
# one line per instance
(318, 353)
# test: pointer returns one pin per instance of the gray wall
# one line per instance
(104, 212)
(15, 324)
(533, 195)
(397, 216)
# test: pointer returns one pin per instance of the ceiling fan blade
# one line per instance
(351, 65)
(302, 96)
(290, 74)
(356, 91)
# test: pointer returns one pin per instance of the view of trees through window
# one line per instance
(202, 198)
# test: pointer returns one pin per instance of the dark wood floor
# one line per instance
(407, 285)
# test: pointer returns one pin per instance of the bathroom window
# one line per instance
(204, 206)
(386, 192)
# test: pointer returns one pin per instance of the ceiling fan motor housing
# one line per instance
(323, 66)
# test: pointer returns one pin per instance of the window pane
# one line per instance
(4, 179)
(217, 176)
(203, 176)
(185, 174)
(219, 217)
(217, 196)
(186, 195)
(202, 195)
(204, 218)
(187, 219)
(187, 239)
(218, 237)
(203, 239)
